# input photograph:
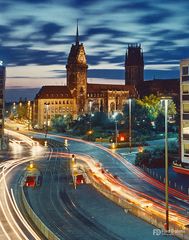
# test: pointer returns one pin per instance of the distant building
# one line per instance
(2, 103)
(52, 101)
(184, 110)
(134, 76)
(79, 97)
(134, 65)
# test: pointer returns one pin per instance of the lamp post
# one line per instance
(90, 108)
(130, 129)
(47, 108)
(74, 170)
(166, 101)
(68, 151)
(116, 130)
(115, 133)
(29, 115)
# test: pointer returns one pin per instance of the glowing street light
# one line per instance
(47, 108)
(165, 101)
(116, 131)
(29, 114)
(130, 130)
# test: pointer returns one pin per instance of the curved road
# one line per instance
(70, 213)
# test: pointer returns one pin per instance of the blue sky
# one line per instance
(36, 36)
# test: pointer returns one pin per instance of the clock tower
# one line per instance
(77, 74)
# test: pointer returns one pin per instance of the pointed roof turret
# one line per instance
(77, 34)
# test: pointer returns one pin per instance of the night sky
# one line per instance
(36, 36)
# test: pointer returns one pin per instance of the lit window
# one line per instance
(186, 149)
(186, 107)
(185, 70)
(185, 89)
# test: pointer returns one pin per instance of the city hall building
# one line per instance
(79, 97)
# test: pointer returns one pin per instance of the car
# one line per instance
(33, 181)
(30, 181)
(80, 179)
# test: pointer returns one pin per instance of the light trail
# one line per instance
(8, 199)
(139, 173)
(128, 193)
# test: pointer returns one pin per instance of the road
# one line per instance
(82, 213)
(130, 175)
(56, 199)
(13, 224)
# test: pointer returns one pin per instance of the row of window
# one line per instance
(94, 95)
(56, 95)
(59, 102)
(60, 110)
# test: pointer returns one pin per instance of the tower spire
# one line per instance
(77, 34)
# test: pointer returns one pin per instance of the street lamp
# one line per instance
(29, 114)
(66, 145)
(130, 129)
(47, 108)
(166, 101)
(90, 108)
(116, 131)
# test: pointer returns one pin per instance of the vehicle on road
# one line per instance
(33, 181)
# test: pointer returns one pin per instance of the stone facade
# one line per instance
(78, 97)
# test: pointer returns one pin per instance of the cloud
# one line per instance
(41, 32)
(48, 30)
(154, 18)
(22, 21)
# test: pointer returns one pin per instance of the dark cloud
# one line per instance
(31, 1)
(21, 56)
(4, 30)
(133, 6)
(82, 3)
(4, 6)
(23, 21)
(157, 17)
(106, 73)
(50, 29)
(102, 30)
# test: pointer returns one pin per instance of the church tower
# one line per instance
(77, 74)
(134, 65)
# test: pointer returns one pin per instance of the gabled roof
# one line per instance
(54, 92)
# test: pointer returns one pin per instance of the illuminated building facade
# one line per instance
(2, 103)
(79, 97)
(184, 110)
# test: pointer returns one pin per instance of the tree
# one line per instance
(140, 117)
(152, 105)
(100, 119)
(68, 119)
(58, 123)
(22, 110)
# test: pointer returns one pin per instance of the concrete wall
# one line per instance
(37, 221)
(141, 212)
